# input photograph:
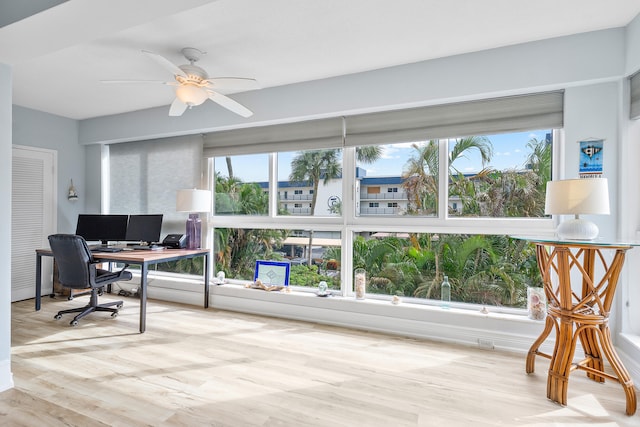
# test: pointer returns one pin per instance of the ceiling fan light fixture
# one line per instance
(191, 95)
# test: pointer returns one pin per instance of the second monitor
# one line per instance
(144, 228)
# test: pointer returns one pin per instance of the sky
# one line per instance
(509, 152)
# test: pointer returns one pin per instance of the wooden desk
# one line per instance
(580, 312)
(142, 258)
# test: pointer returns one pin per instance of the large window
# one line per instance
(400, 194)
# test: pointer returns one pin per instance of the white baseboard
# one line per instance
(628, 348)
(6, 377)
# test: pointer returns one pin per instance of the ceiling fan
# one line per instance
(194, 86)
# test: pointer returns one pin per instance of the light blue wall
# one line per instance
(38, 129)
(6, 380)
(592, 112)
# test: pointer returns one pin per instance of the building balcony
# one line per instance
(401, 195)
(295, 196)
(380, 211)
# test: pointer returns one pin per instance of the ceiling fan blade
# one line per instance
(230, 104)
(164, 62)
(177, 108)
(233, 83)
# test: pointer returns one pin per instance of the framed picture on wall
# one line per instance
(591, 158)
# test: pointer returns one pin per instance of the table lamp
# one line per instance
(577, 197)
(193, 201)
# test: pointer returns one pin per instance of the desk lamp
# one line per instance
(193, 201)
(577, 197)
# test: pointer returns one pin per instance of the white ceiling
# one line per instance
(59, 56)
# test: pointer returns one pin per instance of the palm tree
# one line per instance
(421, 172)
(420, 177)
(460, 184)
(313, 167)
(236, 197)
(229, 166)
(463, 146)
(368, 154)
(539, 160)
(324, 165)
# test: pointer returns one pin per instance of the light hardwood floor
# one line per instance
(197, 367)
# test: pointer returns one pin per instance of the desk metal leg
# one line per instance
(144, 268)
(38, 280)
(206, 280)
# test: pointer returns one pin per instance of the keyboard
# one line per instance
(104, 249)
(146, 247)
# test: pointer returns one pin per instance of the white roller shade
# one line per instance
(145, 177)
(483, 117)
(312, 134)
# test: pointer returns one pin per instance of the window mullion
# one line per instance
(443, 179)
(273, 185)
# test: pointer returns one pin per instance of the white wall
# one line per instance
(6, 378)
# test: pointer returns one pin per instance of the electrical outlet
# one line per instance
(485, 343)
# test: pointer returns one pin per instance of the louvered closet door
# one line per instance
(33, 218)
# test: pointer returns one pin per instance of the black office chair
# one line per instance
(77, 270)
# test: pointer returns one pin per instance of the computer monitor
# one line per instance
(144, 228)
(104, 228)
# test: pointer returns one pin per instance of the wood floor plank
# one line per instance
(214, 368)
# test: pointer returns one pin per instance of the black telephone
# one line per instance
(176, 241)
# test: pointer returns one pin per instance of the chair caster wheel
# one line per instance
(58, 316)
(74, 323)
(114, 314)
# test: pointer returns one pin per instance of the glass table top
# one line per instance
(599, 241)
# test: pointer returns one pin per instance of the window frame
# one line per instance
(350, 223)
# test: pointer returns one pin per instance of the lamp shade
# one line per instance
(193, 200)
(577, 197)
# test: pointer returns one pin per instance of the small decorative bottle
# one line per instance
(445, 293)
(536, 303)
(360, 282)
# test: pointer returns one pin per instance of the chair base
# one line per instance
(90, 308)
